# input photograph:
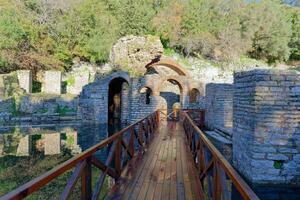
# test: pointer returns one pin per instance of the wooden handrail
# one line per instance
(197, 141)
(86, 159)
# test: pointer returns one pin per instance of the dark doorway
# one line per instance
(115, 101)
(171, 92)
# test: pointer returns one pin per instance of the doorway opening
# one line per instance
(115, 98)
(172, 93)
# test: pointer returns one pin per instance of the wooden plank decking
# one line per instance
(166, 171)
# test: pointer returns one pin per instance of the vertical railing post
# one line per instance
(118, 156)
(86, 181)
(158, 116)
(216, 182)
(131, 141)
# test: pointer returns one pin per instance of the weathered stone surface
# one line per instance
(133, 53)
(25, 80)
(266, 125)
(93, 101)
(52, 82)
(82, 74)
(219, 106)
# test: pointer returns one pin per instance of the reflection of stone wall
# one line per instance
(266, 133)
(219, 99)
(52, 143)
(24, 146)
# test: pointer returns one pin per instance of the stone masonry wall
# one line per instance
(25, 80)
(93, 100)
(52, 82)
(125, 103)
(266, 135)
(219, 107)
(139, 108)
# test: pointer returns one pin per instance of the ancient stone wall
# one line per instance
(219, 107)
(93, 100)
(138, 104)
(125, 103)
(52, 82)
(25, 80)
(266, 133)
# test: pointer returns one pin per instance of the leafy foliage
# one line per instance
(50, 34)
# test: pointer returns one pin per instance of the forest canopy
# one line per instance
(50, 34)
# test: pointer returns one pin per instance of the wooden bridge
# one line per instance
(151, 159)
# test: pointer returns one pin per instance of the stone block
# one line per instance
(219, 106)
(25, 80)
(271, 120)
(52, 82)
(79, 80)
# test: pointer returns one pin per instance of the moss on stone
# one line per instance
(62, 111)
(71, 81)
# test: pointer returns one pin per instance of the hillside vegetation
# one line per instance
(50, 34)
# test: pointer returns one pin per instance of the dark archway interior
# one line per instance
(146, 95)
(171, 92)
(194, 96)
(115, 101)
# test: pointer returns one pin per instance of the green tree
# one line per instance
(133, 15)
(295, 38)
(269, 27)
(87, 31)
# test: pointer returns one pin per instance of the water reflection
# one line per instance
(28, 151)
(52, 139)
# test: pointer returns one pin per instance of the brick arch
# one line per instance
(120, 74)
(146, 86)
(170, 64)
(181, 82)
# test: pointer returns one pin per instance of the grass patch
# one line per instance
(71, 81)
(168, 52)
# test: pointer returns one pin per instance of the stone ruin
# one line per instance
(259, 112)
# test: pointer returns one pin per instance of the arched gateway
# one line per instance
(120, 98)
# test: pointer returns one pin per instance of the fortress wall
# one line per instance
(266, 130)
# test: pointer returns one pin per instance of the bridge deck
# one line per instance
(166, 171)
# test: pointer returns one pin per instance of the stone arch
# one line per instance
(170, 64)
(118, 98)
(119, 74)
(145, 94)
(176, 92)
(194, 95)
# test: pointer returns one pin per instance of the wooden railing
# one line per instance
(218, 178)
(124, 145)
(198, 116)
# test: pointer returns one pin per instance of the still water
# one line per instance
(28, 151)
